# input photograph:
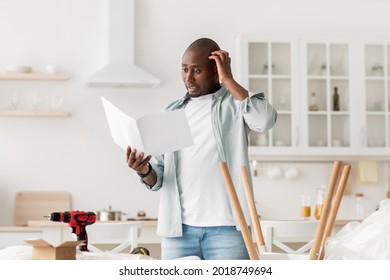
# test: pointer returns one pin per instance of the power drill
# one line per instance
(77, 220)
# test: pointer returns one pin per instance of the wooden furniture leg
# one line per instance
(315, 251)
(238, 211)
(335, 207)
(252, 207)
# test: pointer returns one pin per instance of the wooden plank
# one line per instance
(34, 205)
(19, 229)
(35, 76)
(32, 113)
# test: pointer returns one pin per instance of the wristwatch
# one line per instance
(147, 173)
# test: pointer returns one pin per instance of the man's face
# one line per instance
(199, 73)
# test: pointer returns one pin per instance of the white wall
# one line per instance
(77, 153)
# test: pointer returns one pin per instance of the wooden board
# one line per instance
(34, 205)
(32, 113)
(35, 76)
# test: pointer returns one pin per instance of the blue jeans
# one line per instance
(207, 243)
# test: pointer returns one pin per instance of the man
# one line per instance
(195, 214)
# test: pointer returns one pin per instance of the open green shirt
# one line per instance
(232, 122)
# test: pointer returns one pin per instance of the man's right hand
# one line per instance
(137, 163)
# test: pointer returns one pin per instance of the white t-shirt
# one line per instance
(203, 194)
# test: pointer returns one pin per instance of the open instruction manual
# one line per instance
(154, 134)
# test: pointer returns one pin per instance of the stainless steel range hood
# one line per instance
(121, 71)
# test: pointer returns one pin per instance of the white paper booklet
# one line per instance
(154, 134)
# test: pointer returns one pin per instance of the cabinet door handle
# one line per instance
(297, 137)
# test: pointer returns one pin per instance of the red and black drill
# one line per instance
(77, 220)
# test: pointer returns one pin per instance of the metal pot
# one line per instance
(109, 215)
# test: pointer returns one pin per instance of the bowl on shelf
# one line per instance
(18, 69)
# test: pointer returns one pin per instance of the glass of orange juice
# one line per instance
(305, 206)
(320, 202)
(318, 211)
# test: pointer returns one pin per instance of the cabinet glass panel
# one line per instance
(281, 61)
(281, 94)
(376, 131)
(338, 59)
(343, 93)
(340, 136)
(387, 104)
(316, 60)
(317, 95)
(318, 131)
(375, 96)
(281, 132)
(258, 85)
(328, 72)
(388, 61)
(258, 139)
(374, 66)
(388, 131)
(269, 66)
(258, 58)
(319, 57)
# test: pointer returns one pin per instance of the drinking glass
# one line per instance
(36, 100)
(320, 202)
(55, 102)
(305, 206)
(14, 96)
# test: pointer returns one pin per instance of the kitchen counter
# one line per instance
(342, 223)
(36, 226)
(15, 235)
(19, 229)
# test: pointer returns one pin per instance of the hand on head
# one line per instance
(222, 60)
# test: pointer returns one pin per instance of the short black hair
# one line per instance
(206, 44)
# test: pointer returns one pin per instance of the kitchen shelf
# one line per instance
(35, 76)
(32, 113)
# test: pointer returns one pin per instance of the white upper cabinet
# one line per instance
(332, 96)
(326, 84)
(375, 126)
(268, 66)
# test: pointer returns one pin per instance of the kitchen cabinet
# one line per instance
(376, 89)
(326, 71)
(299, 76)
(33, 77)
(269, 66)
